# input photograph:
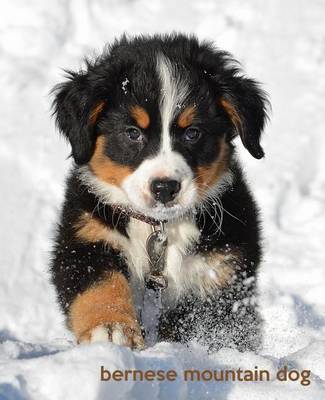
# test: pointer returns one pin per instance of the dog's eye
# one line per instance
(192, 134)
(134, 134)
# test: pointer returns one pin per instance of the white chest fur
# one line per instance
(180, 236)
(184, 271)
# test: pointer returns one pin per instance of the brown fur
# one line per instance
(95, 112)
(141, 116)
(90, 229)
(108, 304)
(208, 175)
(106, 169)
(224, 266)
(185, 119)
(232, 113)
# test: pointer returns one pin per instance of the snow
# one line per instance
(279, 43)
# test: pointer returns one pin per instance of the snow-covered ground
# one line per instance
(281, 43)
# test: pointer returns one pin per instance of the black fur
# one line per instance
(230, 316)
(212, 74)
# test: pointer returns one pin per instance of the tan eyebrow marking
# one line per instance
(185, 119)
(141, 116)
(95, 111)
(232, 112)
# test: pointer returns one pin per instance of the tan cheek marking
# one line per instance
(106, 303)
(106, 169)
(209, 175)
(141, 116)
(90, 229)
(232, 112)
(186, 117)
(95, 111)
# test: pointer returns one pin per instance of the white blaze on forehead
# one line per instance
(174, 91)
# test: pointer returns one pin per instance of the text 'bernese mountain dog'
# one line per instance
(151, 124)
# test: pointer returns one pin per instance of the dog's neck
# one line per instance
(136, 215)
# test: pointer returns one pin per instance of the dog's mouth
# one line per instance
(161, 212)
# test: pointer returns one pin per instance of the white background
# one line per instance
(280, 43)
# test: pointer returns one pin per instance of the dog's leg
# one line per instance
(105, 312)
(89, 275)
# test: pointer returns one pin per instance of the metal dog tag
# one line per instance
(156, 248)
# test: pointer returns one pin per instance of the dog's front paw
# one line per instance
(117, 332)
(105, 312)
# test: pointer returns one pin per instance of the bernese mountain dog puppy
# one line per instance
(151, 123)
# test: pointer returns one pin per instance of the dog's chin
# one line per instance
(163, 213)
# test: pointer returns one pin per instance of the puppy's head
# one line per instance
(151, 122)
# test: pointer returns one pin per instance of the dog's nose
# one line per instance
(164, 190)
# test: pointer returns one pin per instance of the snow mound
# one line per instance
(60, 370)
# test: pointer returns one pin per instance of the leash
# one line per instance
(155, 282)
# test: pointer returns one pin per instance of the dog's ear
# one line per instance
(246, 105)
(76, 114)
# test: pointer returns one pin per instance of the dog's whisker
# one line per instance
(215, 206)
